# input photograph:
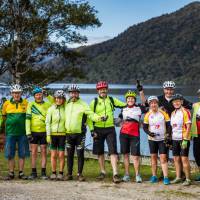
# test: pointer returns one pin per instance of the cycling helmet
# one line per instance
(15, 88)
(37, 90)
(130, 93)
(101, 85)
(177, 97)
(151, 98)
(169, 84)
(59, 94)
(73, 88)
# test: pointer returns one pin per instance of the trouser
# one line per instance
(75, 141)
(196, 149)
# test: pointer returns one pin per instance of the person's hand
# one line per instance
(30, 137)
(94, 135)
(184, 144)
(151, 134)
(139, 86)
(104, 118)
(48, 138)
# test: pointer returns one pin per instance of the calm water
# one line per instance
(117, 90)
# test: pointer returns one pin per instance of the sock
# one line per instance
(54, 172)
(60, 172)
(43, 170)
(34, 170)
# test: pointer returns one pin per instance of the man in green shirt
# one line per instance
(77, 113)
(36, 131)
(101, 131)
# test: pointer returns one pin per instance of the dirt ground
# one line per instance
(73, 190)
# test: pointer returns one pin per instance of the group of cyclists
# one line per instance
(62, 122)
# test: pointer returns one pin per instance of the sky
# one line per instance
(117, 15)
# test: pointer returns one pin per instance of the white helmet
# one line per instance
(15, 88)
(59, 93)
(169, 84)
(73, 88)
(151, 98)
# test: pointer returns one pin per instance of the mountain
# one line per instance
(162, 48)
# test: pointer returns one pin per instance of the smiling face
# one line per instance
(16, 96)
(59, 101)
(103, 92)
(130, 101)
(154, 105)
(177, 103)
(168, 92)
(74, 95)
(38, 97)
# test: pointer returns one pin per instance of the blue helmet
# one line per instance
(37, 90)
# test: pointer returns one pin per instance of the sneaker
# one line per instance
(68, 178)
(101, 176)
(197, 178)
(10, 176)
(126, 178)
(81, 178)
(60, 177)
(22, 176)
(177, 180)
(187, 182)
(154, 179)
(166, 181)
(44, 177)
(138, 179)
(33, 176)
(116, 179)
(53, 177)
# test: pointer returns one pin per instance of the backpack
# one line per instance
(112, 104)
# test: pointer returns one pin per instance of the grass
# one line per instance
(91, 169)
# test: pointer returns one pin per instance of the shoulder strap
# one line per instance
(112, 103)
(95, 104)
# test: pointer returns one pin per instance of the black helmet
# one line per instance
(177, 97)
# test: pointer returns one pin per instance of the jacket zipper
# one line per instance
(59, 119)
(105, 112)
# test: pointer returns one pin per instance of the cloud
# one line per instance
(92, 40)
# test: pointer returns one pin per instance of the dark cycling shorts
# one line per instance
(38, 138)
(107, 134)
(157, 146)
(75, 140)
(129, 143)
(58, 142)
(177, 150)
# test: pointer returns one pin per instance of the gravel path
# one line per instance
(73, 190)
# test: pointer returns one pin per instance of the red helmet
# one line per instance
(101, 85)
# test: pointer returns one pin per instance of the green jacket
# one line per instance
(196, 107)
(55, 120)
(36, 116)
(76, 116)
(104, 107)
(14, 114)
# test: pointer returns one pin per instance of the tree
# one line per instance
(31, 31)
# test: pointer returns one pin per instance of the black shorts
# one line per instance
(157, 146)
(107, 134)
(75, 140)
(129, 144)
(177, 150)
(58, 142)
(38, 138)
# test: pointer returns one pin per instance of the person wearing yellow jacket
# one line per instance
(56, 133)
(195, 131)
(77, 113)
(36, 130)
(104, 105)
